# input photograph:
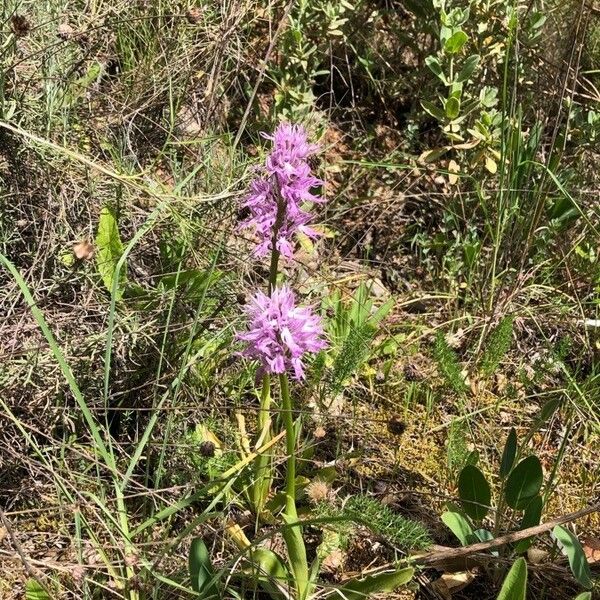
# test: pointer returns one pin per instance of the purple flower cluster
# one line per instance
(282, 190)
(280, 333)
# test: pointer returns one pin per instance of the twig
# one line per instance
(452, 553)
(31, 571)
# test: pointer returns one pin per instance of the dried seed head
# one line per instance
(83, 250)
(317, 491)
(319, 433)
(396, 426)
(194, 15)
(132, 560)
(20, 25)
(65, 32)
(412, 372)
(207, 449)
(78, 574)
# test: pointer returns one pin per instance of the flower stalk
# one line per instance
(262, 466)
(280, 333)
(292, 533)
(275, 253)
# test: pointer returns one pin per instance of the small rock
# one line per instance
(536, 556)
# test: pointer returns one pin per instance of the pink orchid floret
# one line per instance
(279, 333)
(286, 177)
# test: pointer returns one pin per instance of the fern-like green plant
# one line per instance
(448, 364)
(379, 518)
(497, 346)
(355, 351)
(457, 447)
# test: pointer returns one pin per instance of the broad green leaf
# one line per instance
(537, 20)
(472, 458)
(434, 64)
(488, 96)
(515, 583)
(524, 483)
(109, 250)
(272, 571)
(459, 526)
(455, 42)
(77, 89)
(375, 584)
(381, 312)
(531, 518)
(433, 110)
(456, 17)
(452, 107)
(296, 550)
(445, 32)
(490, 164)
(510, 451)
(432, 155)
(484, 535)
(468, 67)
(202, 573)
(570, 546)
(548, 410)
(34, 591)
(584, 596)
(474, 491)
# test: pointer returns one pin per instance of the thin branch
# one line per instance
(261, 72)
(452, 553)
(31, 570)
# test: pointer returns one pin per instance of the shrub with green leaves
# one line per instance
(519, 497)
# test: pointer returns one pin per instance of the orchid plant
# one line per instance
(280, 335)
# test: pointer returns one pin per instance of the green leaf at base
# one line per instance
(515, 583)
(459, 526)
(524, 483)
(474, 491)
(202, 574)
(109, 251)
(375, 584)
(570, 546)
(510, 451)
(34, 591)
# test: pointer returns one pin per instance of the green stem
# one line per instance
(273, 269)
(290, 442)
(262, 465)
(292, 533)
(264, 416)
(275, 254)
